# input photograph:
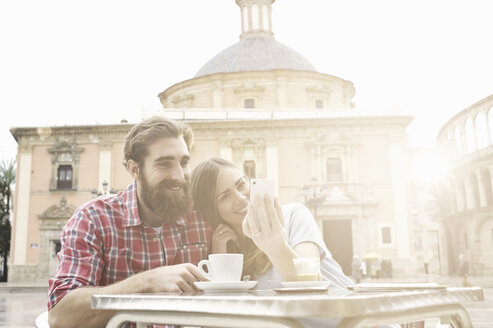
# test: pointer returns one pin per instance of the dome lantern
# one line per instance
(257, 49)
(256, 18)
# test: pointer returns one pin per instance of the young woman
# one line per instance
(268, 235)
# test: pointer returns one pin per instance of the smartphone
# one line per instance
(261, 187)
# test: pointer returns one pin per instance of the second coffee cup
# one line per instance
(223, 267)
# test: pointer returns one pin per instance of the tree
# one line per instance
(7, 179)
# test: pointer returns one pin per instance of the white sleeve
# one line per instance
(301, 226)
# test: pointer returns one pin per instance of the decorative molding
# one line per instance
(248, 91)
(319, 91)
(249, 149)
(105, 145)
(84, 133)
(58, 211)
(65, 152)
(183, 101)
(44, 132)
(25, 146)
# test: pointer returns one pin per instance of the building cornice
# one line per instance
(89, 133)
(210, 80)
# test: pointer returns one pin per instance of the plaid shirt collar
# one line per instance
(131, 207)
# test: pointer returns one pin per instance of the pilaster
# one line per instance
(481, 187)
(105, 149)
(469, 193)
(23, 186)
(271, 159)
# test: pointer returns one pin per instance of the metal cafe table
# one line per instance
(264, 308)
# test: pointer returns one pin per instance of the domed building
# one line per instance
(261, 105)
(259, 72)
(466, 195)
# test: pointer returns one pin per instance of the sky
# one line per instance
(98, 62)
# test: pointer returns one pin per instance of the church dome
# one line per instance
(255, 53)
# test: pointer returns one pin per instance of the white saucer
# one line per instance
(225, 286)
(296, 284)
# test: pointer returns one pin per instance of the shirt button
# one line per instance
(155, 239)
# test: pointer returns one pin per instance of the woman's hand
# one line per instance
(220, 238)
(264, 224)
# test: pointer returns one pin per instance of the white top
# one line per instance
(301, 227)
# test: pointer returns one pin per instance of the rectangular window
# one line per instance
(319, 103)
(334, 169)
(386, 235)
(249, 169)
(64, 180)
(249, 103)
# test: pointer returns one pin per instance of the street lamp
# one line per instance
(95, 193)
(314, 195)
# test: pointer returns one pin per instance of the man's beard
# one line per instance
(166, 204)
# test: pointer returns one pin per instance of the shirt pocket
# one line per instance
(192, 252)
(123, 263)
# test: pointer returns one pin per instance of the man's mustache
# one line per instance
(168, 183)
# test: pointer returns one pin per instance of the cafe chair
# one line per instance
(42, 320)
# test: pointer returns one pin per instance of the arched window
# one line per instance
(486, 181)
(475, 190)
(461, 197)
(469, 131)
(489, 115)
(481, 131)
(449, 146)
(458, 141)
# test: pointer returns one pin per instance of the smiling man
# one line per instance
(144, 239)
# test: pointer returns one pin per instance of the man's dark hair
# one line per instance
(146, 132)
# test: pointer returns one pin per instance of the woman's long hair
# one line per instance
(204, 187)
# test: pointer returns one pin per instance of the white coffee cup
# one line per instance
(223, 267)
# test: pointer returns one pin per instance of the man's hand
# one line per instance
(173, 279)
(74, 309)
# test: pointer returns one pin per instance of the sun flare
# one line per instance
(429, 167)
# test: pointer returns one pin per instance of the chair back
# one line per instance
(42, 320)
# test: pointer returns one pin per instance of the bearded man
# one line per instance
(144, 239)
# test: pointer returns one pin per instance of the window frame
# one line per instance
(254, 166)
(391, 227)
(65, 153)
(64, 183)
(341, 170)
(253, 100)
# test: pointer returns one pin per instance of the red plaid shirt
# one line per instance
(105, 241)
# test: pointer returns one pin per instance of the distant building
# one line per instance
(261, 105)
(425, 219)
(466, 195)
